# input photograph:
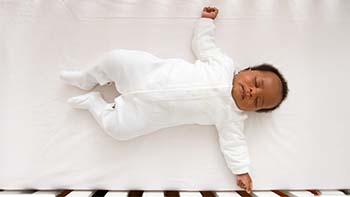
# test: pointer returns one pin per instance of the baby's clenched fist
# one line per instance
(245, 182)
(210, 12)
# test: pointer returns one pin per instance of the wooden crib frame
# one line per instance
(153, 193)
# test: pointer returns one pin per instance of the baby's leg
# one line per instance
(95, 104)
(127, 68)
(106, 115)
(87, 78)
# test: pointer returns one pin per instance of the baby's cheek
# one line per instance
(250, 105)
(245, 105)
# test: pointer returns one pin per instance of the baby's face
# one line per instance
(254, 90)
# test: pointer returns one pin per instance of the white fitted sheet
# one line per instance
(45, 144)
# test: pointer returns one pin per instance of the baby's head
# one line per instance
(260, 88)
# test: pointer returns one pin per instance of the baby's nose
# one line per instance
(248, 93)
(251, 92)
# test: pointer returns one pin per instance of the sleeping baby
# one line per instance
(159, 93)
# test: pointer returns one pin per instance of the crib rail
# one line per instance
(106, 193)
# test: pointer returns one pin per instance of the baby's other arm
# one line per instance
(234, 148)
(244, 181)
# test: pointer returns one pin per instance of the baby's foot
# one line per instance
(78, 79)
(85, 101)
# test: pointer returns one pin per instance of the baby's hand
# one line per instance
(245, 182)
(209, 12)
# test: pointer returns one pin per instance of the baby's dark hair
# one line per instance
(271, 68)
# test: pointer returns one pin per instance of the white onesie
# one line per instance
(158, 93)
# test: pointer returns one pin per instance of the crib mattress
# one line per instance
(45, 144)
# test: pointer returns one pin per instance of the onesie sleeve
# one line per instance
(203, 43)
(233, 146)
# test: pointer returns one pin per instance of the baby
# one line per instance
(158, 93)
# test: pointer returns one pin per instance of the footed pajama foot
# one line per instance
(78, 79)
(85, 101)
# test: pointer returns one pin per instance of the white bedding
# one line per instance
(45, 144)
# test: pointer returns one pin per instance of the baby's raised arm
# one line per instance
(203, 42)
(209, 12)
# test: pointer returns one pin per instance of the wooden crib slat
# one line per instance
(100, 193)
(207, 193)
(135, 193)
(116, 194)
(243, 193)
(227, 194)
(314, 192)
(171, 194)
(346, 191)
(298, 193)
(264, 194)
(64, 193)
(190, 194)
(279, 193)
(80, 194)
(153, 194)
(332, 192)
